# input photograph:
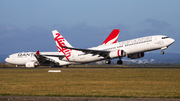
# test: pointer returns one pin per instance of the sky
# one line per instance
(26, 25)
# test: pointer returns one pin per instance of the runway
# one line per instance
(88, 67)
(32, 98)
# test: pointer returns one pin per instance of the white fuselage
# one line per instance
(133, 46)
(24, 57)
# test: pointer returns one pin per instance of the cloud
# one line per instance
(14, 39)
(156, 28)
(157, 24)
(6, 30)
(85, 36)
(80, 35)
(147, 32)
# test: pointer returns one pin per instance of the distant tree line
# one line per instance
(114, 64)
(154, 64)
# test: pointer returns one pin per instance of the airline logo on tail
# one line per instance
(60, 41)
(112, 38)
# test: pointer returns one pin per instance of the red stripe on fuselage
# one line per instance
(118, 52)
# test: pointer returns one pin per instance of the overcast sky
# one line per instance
(26, 25)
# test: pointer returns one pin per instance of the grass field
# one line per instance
(139, 82)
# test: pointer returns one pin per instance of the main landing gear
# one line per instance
(119, 62)
(108, 61)
(162, 52)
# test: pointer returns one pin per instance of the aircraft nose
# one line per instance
(7, 60)
(171, 40)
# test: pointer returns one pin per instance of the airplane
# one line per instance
(34, 59)
(132, 49)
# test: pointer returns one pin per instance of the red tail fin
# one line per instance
(37, 53)
(112, 38)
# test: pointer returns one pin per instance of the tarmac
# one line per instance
(120, 67)
(32, 98)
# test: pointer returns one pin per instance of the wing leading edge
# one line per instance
(44, 59)
(90, 51)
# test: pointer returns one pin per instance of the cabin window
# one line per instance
(165, 37)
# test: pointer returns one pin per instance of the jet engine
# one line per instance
(30, 64)
(137, 55)
(117, 53)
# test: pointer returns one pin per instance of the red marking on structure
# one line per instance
(138, 55)
(113, 35)
(118, 52)
(37, 53)
(60, 40)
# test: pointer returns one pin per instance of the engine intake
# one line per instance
(117, 53)
(30, 64)
(137, 55)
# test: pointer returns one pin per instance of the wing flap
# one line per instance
(61, 56)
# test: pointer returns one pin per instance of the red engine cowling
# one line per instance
(116, 53)
(137, 55)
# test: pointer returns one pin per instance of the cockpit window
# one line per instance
(165, 37)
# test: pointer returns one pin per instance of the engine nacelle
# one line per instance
(117, 53)
(30, 64)
(137, 55)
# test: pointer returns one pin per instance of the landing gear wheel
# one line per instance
(52, 65)
(108, 61)
(162, 52)
(119, 62)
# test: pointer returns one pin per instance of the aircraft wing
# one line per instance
(90, 51)
(55, 55)
(44, 59)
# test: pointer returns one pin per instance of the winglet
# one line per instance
(112, 38)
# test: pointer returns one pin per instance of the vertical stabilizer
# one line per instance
(112, 38)
(61, 42)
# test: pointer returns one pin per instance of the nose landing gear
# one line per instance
(162, 52)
